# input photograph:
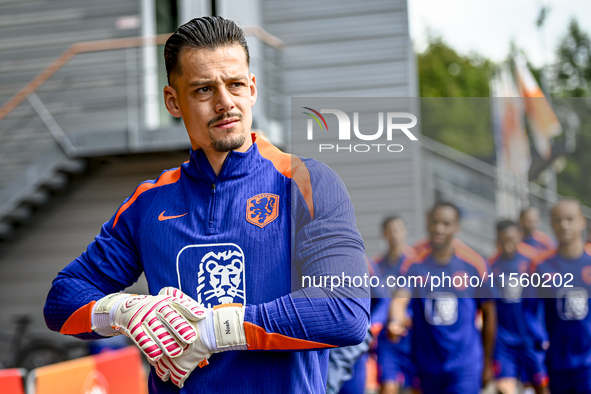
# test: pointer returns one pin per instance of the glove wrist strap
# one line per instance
(228, 324)
(102, 314)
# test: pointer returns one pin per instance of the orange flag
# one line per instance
(541, 118)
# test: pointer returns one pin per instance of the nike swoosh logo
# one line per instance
(162, 218)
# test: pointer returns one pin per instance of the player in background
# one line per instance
(451, 355)
(395, 366)
(567, 273)
(394, 232)
(529, 219)
(518, 354)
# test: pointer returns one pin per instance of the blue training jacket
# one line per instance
(247, 235)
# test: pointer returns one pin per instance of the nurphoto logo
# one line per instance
(393, 125)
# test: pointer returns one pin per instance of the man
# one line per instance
(227, 229)
(395, 365)
(394, 232)
(518, 355)
(529, 219)
(565, 284)
(447, 346)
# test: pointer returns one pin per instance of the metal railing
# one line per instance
(103, 45)
(91, 101)
(474, 186)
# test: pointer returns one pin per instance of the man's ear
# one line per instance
(253, 89)
(171, 101)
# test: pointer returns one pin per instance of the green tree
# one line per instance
(572, 78)
(573, 67)
(444, 73)
(460, 123)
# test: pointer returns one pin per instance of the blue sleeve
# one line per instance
(326, 243)
(533, 310)
(110, 264)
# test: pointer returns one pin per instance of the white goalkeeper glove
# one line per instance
(159, 325)
(219, 329)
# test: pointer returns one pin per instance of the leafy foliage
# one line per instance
(465, 124)
(573, 68)
(572, 78)
(444, 73)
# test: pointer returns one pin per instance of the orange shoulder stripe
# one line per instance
(80, 321)
(259, 339)
(543, 238)
(290, 166)
(541, 258)
(471, 257)
(166, 178)
(418, 258)
(456, 242)
(281, 160)
(495, 257)
(421, 245)
(527, 250)
(409, 251)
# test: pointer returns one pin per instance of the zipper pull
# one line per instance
(213, 188)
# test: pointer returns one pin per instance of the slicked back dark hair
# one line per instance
(441, 204)
(209, 32)
(503, 225)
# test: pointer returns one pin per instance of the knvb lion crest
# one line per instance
(212, 274)
(441, 309)
(572, 304)
(262, 209)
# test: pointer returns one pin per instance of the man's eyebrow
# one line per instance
(210, 82)
(199, 83)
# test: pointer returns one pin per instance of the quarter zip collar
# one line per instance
(236, 165)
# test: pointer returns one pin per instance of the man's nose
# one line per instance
(224, 101)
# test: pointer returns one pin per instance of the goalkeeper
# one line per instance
(222, 241)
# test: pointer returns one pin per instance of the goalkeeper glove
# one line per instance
(219, 329)
(159, 325)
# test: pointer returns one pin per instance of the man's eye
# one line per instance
(204, 89)
(237, 84)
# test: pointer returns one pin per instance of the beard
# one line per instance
(228, 143)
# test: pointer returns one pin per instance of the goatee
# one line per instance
(228, 144)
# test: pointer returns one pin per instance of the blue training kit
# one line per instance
(248, 236)
(395, 359)
(446, 344)
(518, 351)
(565, 286)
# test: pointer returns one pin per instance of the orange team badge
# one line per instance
(262, 209)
